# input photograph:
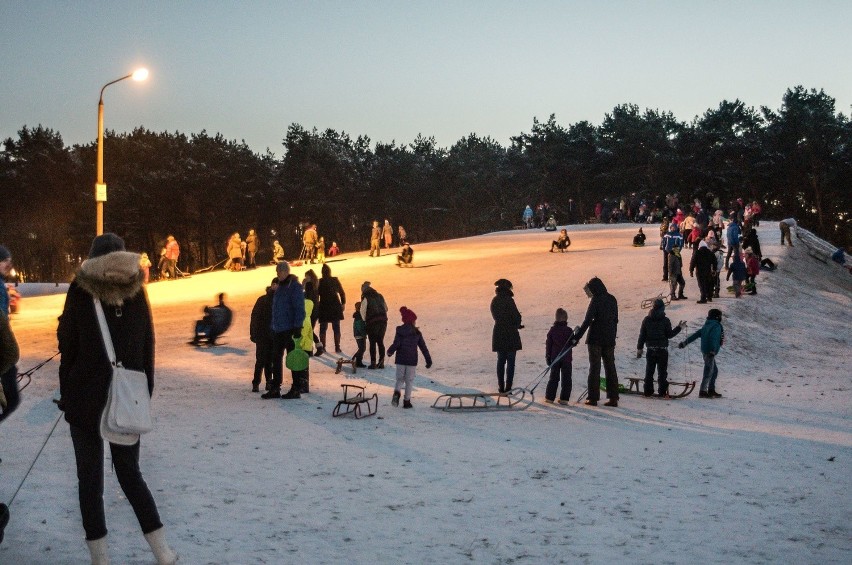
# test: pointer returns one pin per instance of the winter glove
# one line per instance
(681, 345)
(682, 324)
(638, 353)
(429, 365)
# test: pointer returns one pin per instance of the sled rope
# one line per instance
(565, 349)
(28, 375)
(59, 417)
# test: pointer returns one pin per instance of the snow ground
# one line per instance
(759, 476)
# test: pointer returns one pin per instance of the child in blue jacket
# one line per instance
(557, 343)
(712, 336)
(406, 341)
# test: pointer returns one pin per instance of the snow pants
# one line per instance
(607, 354)
(89, 452)
(559, 372)
(405, 377)
(711, 371)
(263, 361)
(657, 359)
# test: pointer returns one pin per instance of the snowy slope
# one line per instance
(759, 476)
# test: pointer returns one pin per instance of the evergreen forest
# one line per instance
(796, 161)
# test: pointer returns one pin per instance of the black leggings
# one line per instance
(89, 451)
(376, 335)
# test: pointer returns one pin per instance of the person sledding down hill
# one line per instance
(639, 239)
(562, 243)
(216, 321)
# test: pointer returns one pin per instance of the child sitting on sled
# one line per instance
(639, 239)
(216, 321)
(562, 242)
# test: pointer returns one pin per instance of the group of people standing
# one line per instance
(379, 234)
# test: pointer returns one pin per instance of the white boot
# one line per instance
(161, 549)
(98, 549)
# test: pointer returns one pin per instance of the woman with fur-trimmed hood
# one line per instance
(113, 276)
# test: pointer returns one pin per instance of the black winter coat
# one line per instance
(656, 330)
(704, 261)
(601, 317)
(332, 299)
(261, 318)
(507, 322)
(84, 369)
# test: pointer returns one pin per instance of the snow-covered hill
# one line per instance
(758, 476)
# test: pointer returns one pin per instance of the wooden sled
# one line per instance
(517, 398)
(356, 404)
(649, 302)
(341, 361)
(685, 388)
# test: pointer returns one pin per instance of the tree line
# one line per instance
(796, 161)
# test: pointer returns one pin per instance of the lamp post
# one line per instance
(100, 186)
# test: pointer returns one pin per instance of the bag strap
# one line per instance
(105, 331)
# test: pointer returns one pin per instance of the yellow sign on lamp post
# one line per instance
(100, 186)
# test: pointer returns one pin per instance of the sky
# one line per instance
(392, 70)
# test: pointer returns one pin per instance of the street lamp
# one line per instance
(100, 187)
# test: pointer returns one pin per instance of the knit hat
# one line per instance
(105, 243)
(659, 304)
(714, 314)
(503, 283)
(4, 253)
(365, 285)
(274, 281)
(408, 317)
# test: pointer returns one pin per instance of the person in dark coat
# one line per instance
(558, 340)
(602, 322)
(216, 321)
(639, 239)
(405, 344)
(332, 302)
(505, 338)
(704, 261)
(750, 240)
(111, 275)
(374, 312)
(288, 316)
(260, 334)
(655, 334)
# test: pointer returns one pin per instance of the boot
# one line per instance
(703, 394)
(162, 552)
(611, 402)
(320, 349)
(337, 346)
(591, 403)
(407, 404)
(713, 394)
(304, 385)
(381, 363)
(395, 399)
(98, 551)
(273, 393)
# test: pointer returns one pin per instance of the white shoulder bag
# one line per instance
(128, 407)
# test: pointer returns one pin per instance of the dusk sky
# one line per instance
(393, 69)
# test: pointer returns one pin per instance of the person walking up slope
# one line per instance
(712, 336)
(406, 342)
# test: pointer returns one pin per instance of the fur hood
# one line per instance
(112, 278)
